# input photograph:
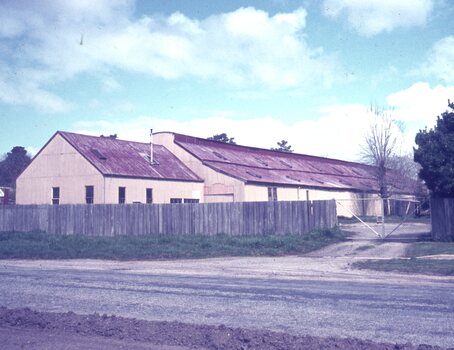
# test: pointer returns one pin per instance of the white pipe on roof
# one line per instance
(151, 146)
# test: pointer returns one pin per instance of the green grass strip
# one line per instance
(411, 266)
(45, 246)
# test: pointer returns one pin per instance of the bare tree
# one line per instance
(382, 146)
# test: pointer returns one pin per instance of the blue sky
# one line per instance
(262, 71)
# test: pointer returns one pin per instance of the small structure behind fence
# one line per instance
(257, 218)
(442, 217)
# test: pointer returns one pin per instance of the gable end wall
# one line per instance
(58, 165)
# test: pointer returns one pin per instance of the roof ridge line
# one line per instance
(106, 137)
(289, 154)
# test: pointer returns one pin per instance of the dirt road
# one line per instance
(316, 295)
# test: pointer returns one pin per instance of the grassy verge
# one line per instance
(430, 248)
(45, 246)
(412, 266)
(414, 263)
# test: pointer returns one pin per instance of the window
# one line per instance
(121, 195)
(89, 194)
(191, 200)
(55, 195)
(176, 200)
(272, 194)
(149, 196)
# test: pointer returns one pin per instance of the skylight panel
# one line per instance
(219, 155)
(317, 180)
(98, 154)
(356, 172)
(292, 178)
(314, 167)
(286, 164)
(253, 174)
(337, 170)
(146, 156)
(345, 182)
(261, 161)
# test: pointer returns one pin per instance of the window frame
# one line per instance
(56, 195)
(272, 194)
(89, 199)
(121, 198)
(176, 200)
(149, 195)
(191, 200)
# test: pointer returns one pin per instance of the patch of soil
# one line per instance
(180, 334)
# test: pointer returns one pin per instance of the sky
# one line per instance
(261, 71)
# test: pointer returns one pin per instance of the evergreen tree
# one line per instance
(222, 138)
(283, 146)
(435, 154)
(12, 165)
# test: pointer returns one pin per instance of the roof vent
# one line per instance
(286, 164)
(253, 174)
(98, 153)
(219, 155)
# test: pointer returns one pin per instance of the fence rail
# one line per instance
(256, 218)
(442, 217)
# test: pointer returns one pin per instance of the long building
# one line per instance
(74, 168)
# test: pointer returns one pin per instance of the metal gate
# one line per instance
(406, 208)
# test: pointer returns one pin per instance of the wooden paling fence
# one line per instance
(442, 217)
(256, 218)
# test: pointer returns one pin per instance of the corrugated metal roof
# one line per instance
(113, 157)
(256, 165)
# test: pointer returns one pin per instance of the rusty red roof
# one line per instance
(114, 157)
(262, 166)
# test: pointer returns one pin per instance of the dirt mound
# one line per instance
(179, 334)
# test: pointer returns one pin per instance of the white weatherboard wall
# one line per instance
(58, 165)
(350, 200)
(163, 191)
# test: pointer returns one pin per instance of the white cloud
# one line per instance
(337, 133)
(22, 91)
(420, 103)
(57, 40)
(371, 17)
(440, 61)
